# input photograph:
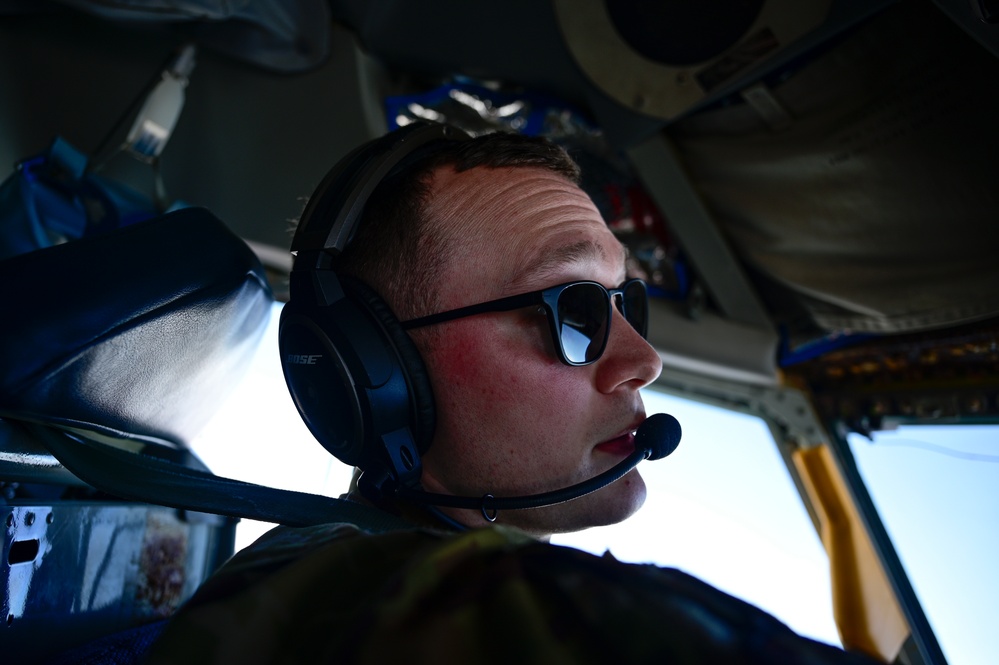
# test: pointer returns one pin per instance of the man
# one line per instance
(519, 411)
(501, 216)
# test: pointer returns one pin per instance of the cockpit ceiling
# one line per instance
(861, 194)
(847, 172)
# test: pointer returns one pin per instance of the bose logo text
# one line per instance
(303, 360)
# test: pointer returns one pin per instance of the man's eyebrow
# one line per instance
(549, 262)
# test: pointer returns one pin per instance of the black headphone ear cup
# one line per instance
(424, 412)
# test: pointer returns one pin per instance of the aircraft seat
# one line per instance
(131, 339)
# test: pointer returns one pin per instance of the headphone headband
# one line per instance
(342, 194)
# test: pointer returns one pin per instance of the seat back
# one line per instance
(133, 339)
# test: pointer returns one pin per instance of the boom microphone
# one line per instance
(655, 438)
(659, 435)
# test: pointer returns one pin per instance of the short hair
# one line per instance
(396, 251)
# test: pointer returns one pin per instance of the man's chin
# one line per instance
(623, 499)
(609, 505)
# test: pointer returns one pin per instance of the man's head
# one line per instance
(479, 220)
(397, 251)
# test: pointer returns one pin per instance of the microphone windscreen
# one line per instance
(659, 434)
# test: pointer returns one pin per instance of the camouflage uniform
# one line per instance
(337, 594)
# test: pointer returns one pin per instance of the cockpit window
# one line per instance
(723, 508)
(936, 488)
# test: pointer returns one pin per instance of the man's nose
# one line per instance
(629, 360)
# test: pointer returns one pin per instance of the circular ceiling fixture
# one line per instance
(661, 58)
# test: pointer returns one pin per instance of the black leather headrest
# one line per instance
(141, 332)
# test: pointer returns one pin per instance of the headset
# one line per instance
(354, 374)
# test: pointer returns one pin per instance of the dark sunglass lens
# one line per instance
(583, 311)
(636, 306)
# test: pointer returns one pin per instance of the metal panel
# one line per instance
(73, 571)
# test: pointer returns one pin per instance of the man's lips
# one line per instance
(622, 445)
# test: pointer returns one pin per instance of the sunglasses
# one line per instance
(578, 313)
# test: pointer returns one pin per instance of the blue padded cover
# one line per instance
(141, 332)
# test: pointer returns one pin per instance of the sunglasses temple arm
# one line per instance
(500, 305)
